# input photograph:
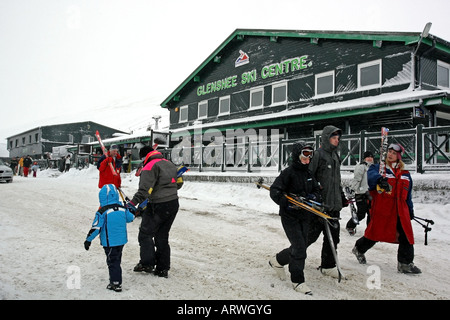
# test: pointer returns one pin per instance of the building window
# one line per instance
(256, 98)
(325, 84)
(224, 105)
(183, 114)
(23, 141)
(17, 143)
(369, 75)
(36, 137)
(279, 93)
(203, 109)
(443, 74)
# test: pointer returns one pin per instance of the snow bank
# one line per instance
(221, 241)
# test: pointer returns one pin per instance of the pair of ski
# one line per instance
(317, 209)
(105, 152)
(383, 153)
(350, 197)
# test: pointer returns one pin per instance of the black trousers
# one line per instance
(113, 260)
(405, 251)
(295, 226)
(316, 228)
(153, 236)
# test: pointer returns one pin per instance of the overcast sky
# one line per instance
(57, 56)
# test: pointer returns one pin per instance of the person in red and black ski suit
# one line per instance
(391, 211)
(295, 180)
(157, 183)
(106, 176)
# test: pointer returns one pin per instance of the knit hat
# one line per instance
(144, 151)
(367, 154)
(114, 147)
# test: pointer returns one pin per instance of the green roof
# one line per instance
(408, 38)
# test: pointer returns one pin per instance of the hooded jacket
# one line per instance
(111, 219)
(297, 179)
(359, 181)
(158, 180)
(106, 175)
(326, 168)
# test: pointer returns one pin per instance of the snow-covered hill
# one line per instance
(221, 241)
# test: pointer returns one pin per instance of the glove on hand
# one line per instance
(130, 207)
(383, 183)
(344, 200)
(87, 244)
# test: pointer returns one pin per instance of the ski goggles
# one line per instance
(307, 153)
(396, 148)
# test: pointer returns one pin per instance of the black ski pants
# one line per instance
(113, 260)
(157, 220)
(405, 251)
(296, 228)
(315, 229)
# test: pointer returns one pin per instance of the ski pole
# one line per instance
(333, 250)
(122, 194)
(425, 227)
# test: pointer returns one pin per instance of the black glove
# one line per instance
(130, 207)
(411, 214)
(383, 183)
(284, 202)
(87, 244)
(344, 200)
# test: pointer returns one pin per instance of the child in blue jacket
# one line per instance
(110, 222)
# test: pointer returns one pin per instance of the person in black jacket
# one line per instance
(157, 184)
(326, 168)
(296, 180)
(27, 162)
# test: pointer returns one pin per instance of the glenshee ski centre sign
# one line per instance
(267, 71)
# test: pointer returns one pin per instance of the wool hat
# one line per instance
(144, 151)
(367, 154)
(114, 147)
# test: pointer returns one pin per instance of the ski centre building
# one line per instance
(296, 82)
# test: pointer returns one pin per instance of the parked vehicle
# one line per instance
(6, 173)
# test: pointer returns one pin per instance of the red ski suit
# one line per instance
(390, 207)
(106, 175)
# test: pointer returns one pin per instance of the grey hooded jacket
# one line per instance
(326, 168)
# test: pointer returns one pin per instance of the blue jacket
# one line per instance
(111, 219)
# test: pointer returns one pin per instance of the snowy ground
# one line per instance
(221, 241)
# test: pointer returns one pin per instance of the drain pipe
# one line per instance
(417, 65)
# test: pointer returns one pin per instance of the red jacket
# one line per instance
(106, 175)
(389, 207)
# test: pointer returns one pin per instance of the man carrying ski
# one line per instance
(106, 164)
(295, 180)
(326, 168)
(361, 188)
(157, 184)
